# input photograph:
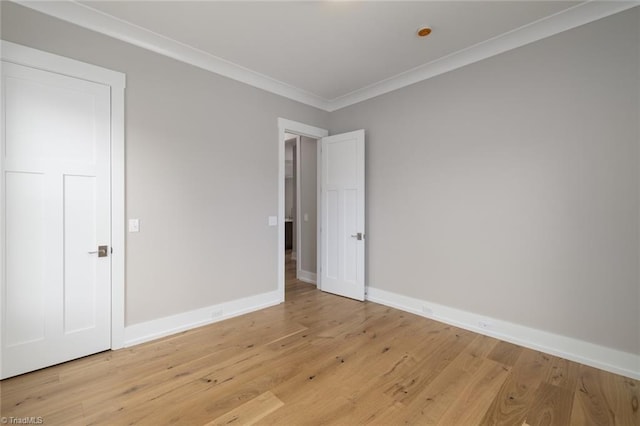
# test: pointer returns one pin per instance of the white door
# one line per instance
(56, 290)
(342, 214)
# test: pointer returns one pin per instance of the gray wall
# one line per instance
(308, 203)
(294, 201)
(201, 170)
(510, 187)
(289, 187)
(288, 197)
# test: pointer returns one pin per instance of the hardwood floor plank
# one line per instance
(151, 387)
(474, 400)
(605, 399)
(361, 397)
(429, 366)
(514, 398)
(563, 373)
(256, 381)
(215, 378)
(551, 406)
(322, 359)
(434, 400)
(250, 412)
(506, 353)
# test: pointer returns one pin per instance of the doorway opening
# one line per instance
(301, 208)
(298, 203)
(339, 209)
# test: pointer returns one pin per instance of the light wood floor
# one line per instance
(322, 359)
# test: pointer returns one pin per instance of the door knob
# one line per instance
(102, 251)
(359, 236)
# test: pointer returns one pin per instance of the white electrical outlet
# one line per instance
(134, 225)
(484, 324)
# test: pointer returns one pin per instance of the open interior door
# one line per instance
(342, 215)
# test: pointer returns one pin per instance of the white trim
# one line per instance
(288, 126)
(318, 214)
(575, 16)
(92, 19)
(608, 359)
(298, 221)
(118, 227)
(34, 58)
(87, 17)
(3, 275)
(306, 276)
(155, 329)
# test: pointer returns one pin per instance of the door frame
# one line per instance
(27, 56)
(300, 129)
(300, 216)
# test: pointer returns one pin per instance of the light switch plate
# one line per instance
(306, 217)
(273, 220)
(134, 225)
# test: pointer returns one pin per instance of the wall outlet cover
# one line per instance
(134, 225)
(484, 324)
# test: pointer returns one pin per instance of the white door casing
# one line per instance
(301, 129)
(62, 151)
(342, 215)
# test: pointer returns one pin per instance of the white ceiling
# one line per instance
(329, 48)
(328, 54)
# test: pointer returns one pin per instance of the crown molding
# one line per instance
(95, 20)
(92, 19)
(567, 19)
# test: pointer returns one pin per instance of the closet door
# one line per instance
(56, 285)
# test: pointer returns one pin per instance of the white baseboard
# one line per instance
(306, 276)
(294, 256)
(597, 356)
(151, 330)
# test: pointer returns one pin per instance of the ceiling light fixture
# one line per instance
(424, 31)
